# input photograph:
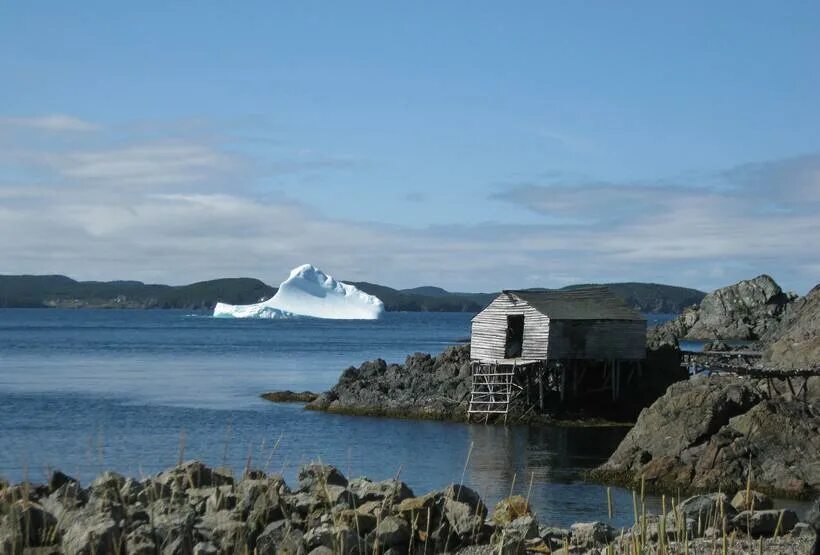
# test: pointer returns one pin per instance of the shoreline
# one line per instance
(191, 508)
(307, 397)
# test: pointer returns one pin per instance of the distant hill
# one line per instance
(62, 291)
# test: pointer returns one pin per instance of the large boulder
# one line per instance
(751, 500)
(797, 342)
(424, 386)
(765, 523)
(750, 309)
(703, 433)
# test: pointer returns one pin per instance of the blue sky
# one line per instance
(471, 145)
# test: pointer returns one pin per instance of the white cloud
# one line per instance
(56, 123)
(183, 210)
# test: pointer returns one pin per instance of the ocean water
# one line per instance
(132, 391)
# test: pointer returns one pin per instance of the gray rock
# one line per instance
(464, 494)
(390, 532)
(205, 548)
(273, 535)
(107, 484)
(321, 550)
(221, 499)
(91, 535)
(192, 474)
(394, 491)
(750, 309)
(292, 544)
(513, 538)
(322, 535)
(751, 500)
(463, 521)
(796, 343)
(701, 433)
(591, 534)
(764, 523)
(172, 524)
(58, 480)
(315, 476)
(226, 533)
(140, 541)
(33, 524)
(707, 510)
(425, 386)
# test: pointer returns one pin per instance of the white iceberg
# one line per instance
(308, 291)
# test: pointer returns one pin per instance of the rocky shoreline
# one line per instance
(193, 509)
(438, 388)
(720, 433)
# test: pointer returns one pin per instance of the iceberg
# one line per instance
(308, 291)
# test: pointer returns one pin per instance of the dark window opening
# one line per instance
(515, 336)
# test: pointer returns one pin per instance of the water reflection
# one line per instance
(545, 464)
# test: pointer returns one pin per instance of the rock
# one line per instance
(424, 387)
(58, 480)
(192, 474)
(107, 484)
(588, 535)
(466, 495)
(554, 537)
(751, 500)
(140, 541)
(315, 476)
(706, 510)
(205, 548)
(273, 535)
(34, 525)
(390, 532)
(92, 534)
(393, 491)
(321, 550)
(512, 538)
(750, 309)
(226, 533)
(302, 503)
(172, 524)
(362, 523)
(221, 499)
(702, 433)
(510, 509)
(320, 536)
(765, 523)
(463, 521)
(796, 343)
(291, 544)
(153, 490)
(288, 396)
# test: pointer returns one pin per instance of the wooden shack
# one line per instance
(533, 342)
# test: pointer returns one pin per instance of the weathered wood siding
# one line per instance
(597, 339)
(489, 330)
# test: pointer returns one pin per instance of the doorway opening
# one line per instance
(515, 336)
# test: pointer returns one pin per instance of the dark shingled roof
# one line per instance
(588, 303)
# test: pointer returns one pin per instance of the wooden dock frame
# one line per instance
(496, 384)
(748, 364)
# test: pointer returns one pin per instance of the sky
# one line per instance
(470, 145)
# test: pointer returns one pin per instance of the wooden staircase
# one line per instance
(492, 390)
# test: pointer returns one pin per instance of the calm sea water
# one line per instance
(89, 390)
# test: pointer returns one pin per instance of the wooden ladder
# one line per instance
(491, 391)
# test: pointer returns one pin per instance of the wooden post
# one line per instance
(529, 385)
(563, 386)
(541, 390)
(612, 378)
